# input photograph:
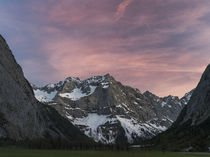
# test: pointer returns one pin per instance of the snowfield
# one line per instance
(77, 93)
(93, 123)
(43, 96)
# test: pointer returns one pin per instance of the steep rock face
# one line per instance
(198, 109)
(192, 129)
(110, 112)
(21, 115)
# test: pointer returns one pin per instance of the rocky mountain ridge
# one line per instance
(110, 112)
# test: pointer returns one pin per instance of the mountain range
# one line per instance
(109, 112)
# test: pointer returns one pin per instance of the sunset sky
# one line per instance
(158, 45)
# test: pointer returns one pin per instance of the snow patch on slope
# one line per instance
(44, 96)
(163, 103)
(105, 85)
(135, 129)
(77, 93)
(93, 120)
(92, 124)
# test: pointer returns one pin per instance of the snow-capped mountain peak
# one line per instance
(108, 111)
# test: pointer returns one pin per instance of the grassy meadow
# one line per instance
(6, 152)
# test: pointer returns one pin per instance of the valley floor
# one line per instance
(6, 152)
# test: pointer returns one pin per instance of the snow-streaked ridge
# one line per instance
(77, 95)
(43, 94)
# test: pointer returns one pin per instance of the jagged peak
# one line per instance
(149, 93)
(93, 79)
(99, 78)
(108, 75)
(77, 79)
(171, 96)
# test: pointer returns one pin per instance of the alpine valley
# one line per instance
(99, 109)
(109, 112)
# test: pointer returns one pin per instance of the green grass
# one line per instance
(6, 152)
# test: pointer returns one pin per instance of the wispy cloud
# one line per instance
(121, 9)
(156, 45)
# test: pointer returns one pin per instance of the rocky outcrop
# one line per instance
(21, 115)
(110, 112)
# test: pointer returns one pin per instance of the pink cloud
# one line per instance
(74, 58)
(121, 9)
(157, 45)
